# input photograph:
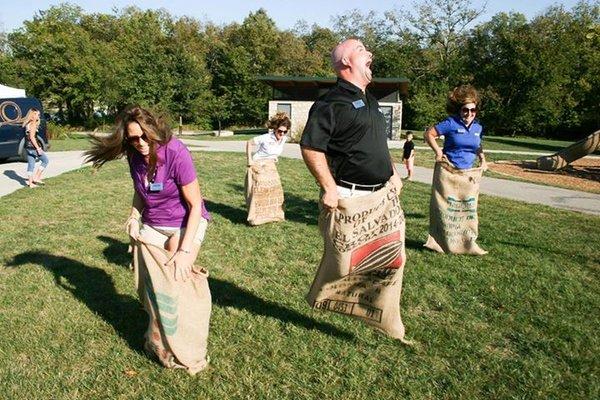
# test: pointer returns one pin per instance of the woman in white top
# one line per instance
(270, 145)
(264, 193)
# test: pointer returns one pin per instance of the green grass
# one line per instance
(527, 144)
(520, 322)
(219, 138)
(75, 142)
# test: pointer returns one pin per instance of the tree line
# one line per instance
(538, 77)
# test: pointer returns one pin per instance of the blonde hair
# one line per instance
(30, 117)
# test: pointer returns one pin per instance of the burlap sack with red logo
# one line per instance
(179, 311)
(363, 261)
(453, 220)
(264, 194)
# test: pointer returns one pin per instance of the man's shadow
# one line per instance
(233, 214)
(16, 177)
(95, 288)
(227, 294)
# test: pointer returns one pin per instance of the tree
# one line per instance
(539, 78)
(56, 60)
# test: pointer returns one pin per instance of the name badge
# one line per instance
(358, 103)
(156, 187)
(461, 130)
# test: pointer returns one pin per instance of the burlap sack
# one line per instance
(264, 194)
(453, 221)
(363, 261)
(179, 311)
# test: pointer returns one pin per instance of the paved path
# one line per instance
(528, 192)
(11, 178)
(13, 175)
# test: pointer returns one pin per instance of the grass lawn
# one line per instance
(520, 322)
(528, 144)
(219, 138)
(75, 142)
(81, 142)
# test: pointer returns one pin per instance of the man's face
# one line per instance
(359, 60)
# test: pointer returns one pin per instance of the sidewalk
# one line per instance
(574, 200)
(13, 174)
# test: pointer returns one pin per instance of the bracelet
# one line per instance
(184, 251)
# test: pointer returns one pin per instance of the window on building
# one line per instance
(286, 108)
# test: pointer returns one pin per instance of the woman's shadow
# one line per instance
(95, 288)
(227, 294)
(16, 177)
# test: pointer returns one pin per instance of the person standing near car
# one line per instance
(34, 150)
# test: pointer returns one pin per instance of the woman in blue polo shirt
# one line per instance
(462, 132)
(453, 219)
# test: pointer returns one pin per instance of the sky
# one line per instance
(285, 13)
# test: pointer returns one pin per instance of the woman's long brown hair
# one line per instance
(115, 146)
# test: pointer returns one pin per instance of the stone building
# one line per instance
(295, 96)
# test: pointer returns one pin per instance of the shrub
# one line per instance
(296, 134)
(55, 131)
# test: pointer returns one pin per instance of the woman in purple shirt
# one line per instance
(173, 217)
(167, 194)
(462, 132)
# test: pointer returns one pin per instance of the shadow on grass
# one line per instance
(226, 294)
(95, 288)
(233, 214)
(116, 252)
(16, 177)
(414, 215)
(415, 245)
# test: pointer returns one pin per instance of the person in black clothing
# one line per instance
(408, 154)
(344, 143)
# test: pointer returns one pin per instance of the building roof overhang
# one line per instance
(301, 82)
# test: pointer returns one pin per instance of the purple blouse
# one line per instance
(164, 204)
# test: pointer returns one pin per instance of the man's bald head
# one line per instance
(352, 62)
(341, 52)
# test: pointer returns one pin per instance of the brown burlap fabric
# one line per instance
(264, 194)
(453, 220)
(179, 311)
(363, 261)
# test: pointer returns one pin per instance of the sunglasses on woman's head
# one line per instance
(469, 110)
(282, 131)
(136, 139)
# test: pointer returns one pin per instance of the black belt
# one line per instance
(355, 186)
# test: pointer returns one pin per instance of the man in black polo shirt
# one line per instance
(344, 143)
